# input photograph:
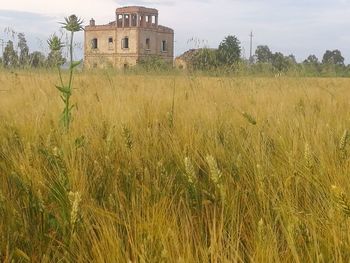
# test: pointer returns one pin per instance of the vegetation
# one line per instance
(10, 56)
(227, 59)
(228, 55)
(154, 63)
(205, 59)
(23, 58)
(55, 58)
(17, 55)
(72, 24)
(174, 169)
(229, 51)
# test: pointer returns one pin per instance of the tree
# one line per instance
(312, 65)
(311, 60)
(37, 59)
(280, 62)
(24, 50)
(263, 54)
(333, 58)
(291, 59)
(10, 56)
(229, 51)
(205, 59)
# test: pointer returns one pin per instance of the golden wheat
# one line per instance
(147, 158)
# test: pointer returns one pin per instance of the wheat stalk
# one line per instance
(309, 158)
(215, 173)
(75, 199)
(189, 171)
(127, 137)
(342, 200)
(344, 140)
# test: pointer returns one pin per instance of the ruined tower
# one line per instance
(134, 35)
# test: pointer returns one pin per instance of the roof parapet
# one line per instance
(136, 9)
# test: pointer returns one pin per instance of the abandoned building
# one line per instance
(134, 35)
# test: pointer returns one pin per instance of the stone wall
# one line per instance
(113, 54)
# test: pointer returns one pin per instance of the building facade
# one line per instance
(133, 36)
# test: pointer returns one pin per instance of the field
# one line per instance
(174, 169)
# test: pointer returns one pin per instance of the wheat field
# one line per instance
(174, 169)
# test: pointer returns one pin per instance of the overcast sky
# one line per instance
(299, 27)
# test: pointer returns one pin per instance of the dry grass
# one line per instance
(174, 169)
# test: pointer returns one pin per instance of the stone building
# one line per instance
(134, 35)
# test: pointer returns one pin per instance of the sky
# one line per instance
(299, 27)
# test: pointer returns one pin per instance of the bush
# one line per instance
(154, 63)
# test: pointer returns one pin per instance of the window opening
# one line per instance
(94, 43)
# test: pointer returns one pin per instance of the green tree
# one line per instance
(263, 54)
(37, 59)
(312, 65)
(291, 59)
(10, 56)
(333, 58)
(24, 50)
(280, 62)
(205, 59)
(229, 52)
(311, 60)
